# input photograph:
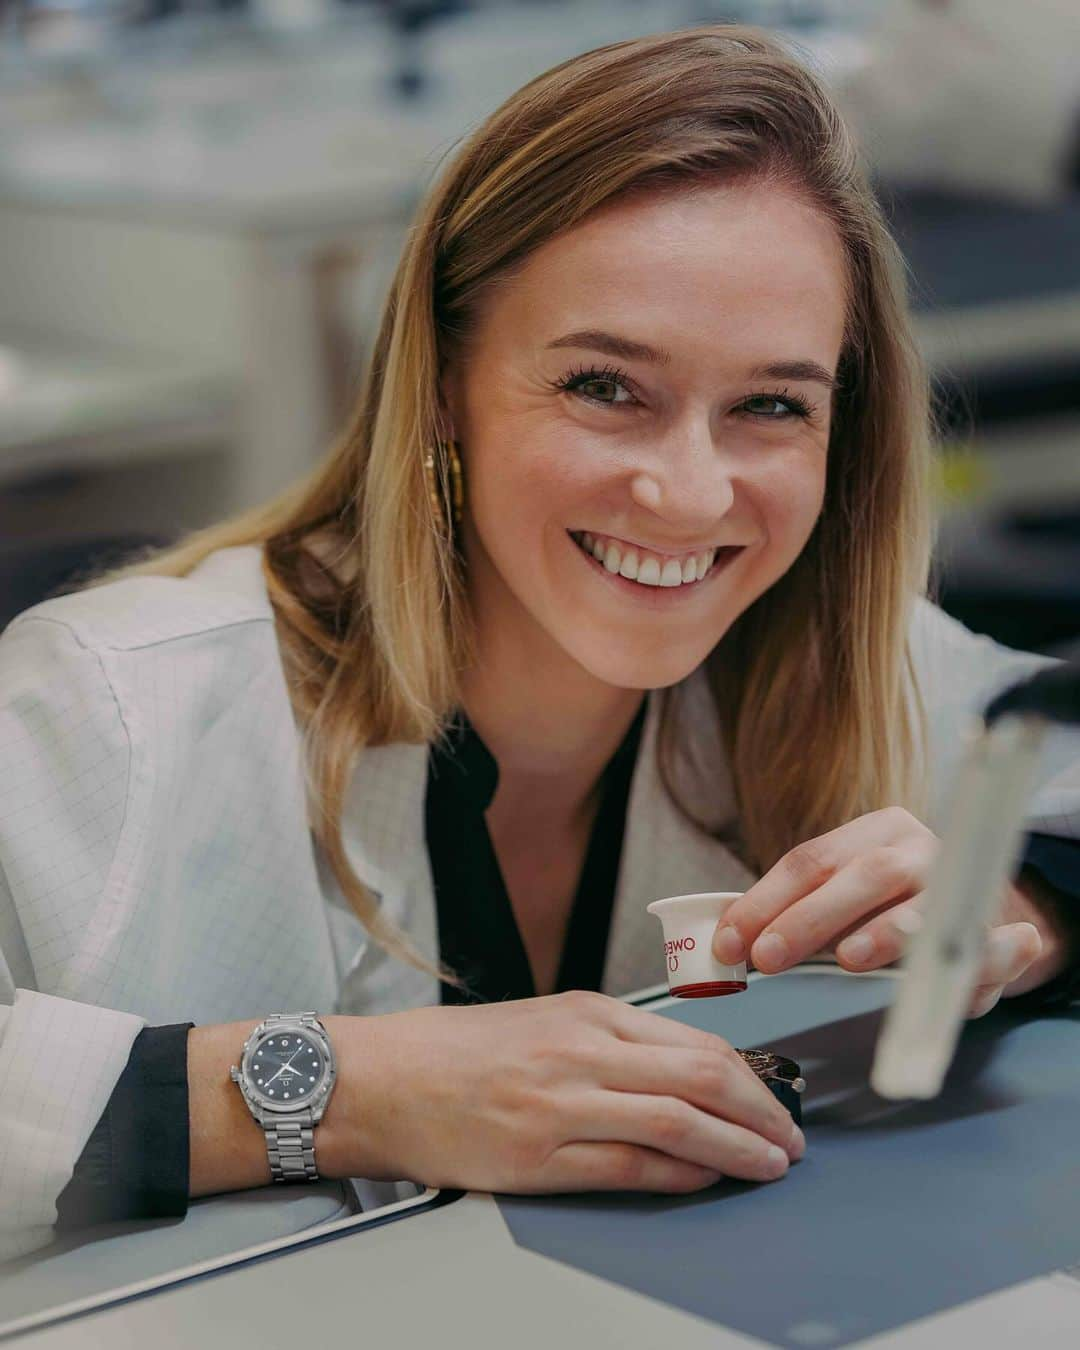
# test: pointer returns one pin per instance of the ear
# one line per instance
(449, 401)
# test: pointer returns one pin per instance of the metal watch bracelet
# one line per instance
(291, 1148)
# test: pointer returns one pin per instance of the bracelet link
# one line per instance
(291, 1149)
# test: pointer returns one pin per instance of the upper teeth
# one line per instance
(647, 568)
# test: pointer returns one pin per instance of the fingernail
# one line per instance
(770, 951)
(728, 946)
(909, 921)
(981, 1006)
(776, 1163)
(796, 1144)
(858, 949)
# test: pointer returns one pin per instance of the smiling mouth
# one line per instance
(644, 571)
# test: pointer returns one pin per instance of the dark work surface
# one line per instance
(897, 1211)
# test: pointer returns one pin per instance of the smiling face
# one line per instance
(616, 421)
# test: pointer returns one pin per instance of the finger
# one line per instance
(709, 1056)
(641, 1027)
(982, 1000)
(1010, 949)
(583, 1166)
(722, 1084)
(884, 939)
(876, 877)
(802, 870)
(677, 1129)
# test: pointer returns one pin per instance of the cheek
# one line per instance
(789, 496)
(537, 484)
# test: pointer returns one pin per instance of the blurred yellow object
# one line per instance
(960, 474)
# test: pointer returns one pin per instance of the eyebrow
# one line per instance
(613, 345)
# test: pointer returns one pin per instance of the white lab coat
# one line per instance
(156, 865)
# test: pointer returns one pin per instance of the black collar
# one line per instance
(463, 750)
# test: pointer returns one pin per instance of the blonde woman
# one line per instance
(611, 589)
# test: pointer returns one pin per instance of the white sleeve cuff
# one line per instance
(59, 1062)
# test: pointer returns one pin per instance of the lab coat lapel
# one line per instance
(383, 830)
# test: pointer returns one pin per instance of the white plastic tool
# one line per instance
(982, 839)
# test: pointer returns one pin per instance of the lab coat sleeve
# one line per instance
(958, 672)
(64, 798)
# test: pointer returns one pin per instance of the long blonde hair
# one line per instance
(367, 587)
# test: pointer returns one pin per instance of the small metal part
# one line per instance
(781, 1076)
(767, 1065)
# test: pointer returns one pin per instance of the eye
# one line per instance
(791, 405)
(598, 385)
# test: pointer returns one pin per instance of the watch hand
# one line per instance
(285, 1067)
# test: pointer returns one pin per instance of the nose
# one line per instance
(688, 482)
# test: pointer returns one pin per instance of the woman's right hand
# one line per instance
(568, 1092)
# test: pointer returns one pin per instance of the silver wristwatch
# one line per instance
(286, 1074)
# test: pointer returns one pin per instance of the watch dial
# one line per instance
(286, 1067)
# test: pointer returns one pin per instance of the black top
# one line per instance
(478, 934)
(135, 1163)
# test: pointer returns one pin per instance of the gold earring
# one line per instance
(456, 489)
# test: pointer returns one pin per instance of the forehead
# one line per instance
(731, 267)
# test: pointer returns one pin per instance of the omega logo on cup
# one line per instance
(688, 924)
(674, 947)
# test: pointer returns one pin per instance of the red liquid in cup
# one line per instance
(708, 989)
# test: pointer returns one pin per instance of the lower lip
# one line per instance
(660, 595)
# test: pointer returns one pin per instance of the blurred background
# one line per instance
(202, 201)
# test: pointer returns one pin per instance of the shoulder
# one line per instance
(224, 591)
(148, 659)
(954, 666)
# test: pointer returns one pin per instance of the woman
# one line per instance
(644, 414)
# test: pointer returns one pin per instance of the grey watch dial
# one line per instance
(286, 1069)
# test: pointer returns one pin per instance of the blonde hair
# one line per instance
(367, 586)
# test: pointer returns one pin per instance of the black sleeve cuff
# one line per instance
(136, 1162)
(1056, 861)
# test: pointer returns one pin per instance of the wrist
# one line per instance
(227, 1148)
(349, 1140)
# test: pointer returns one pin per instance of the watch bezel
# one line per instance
(316, 1102)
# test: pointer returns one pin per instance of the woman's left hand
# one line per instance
(856, 891)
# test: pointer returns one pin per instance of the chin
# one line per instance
(649, 669)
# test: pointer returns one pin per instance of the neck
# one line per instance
(551, 726)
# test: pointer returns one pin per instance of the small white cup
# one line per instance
(689, 922)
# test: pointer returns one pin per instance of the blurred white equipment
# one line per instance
(969, 95)
(980, 846)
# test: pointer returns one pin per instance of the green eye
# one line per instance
(588, 387)
(580, 380)
(794, 405)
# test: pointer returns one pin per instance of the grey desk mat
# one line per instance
(897, 1211)
(109, 1256)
